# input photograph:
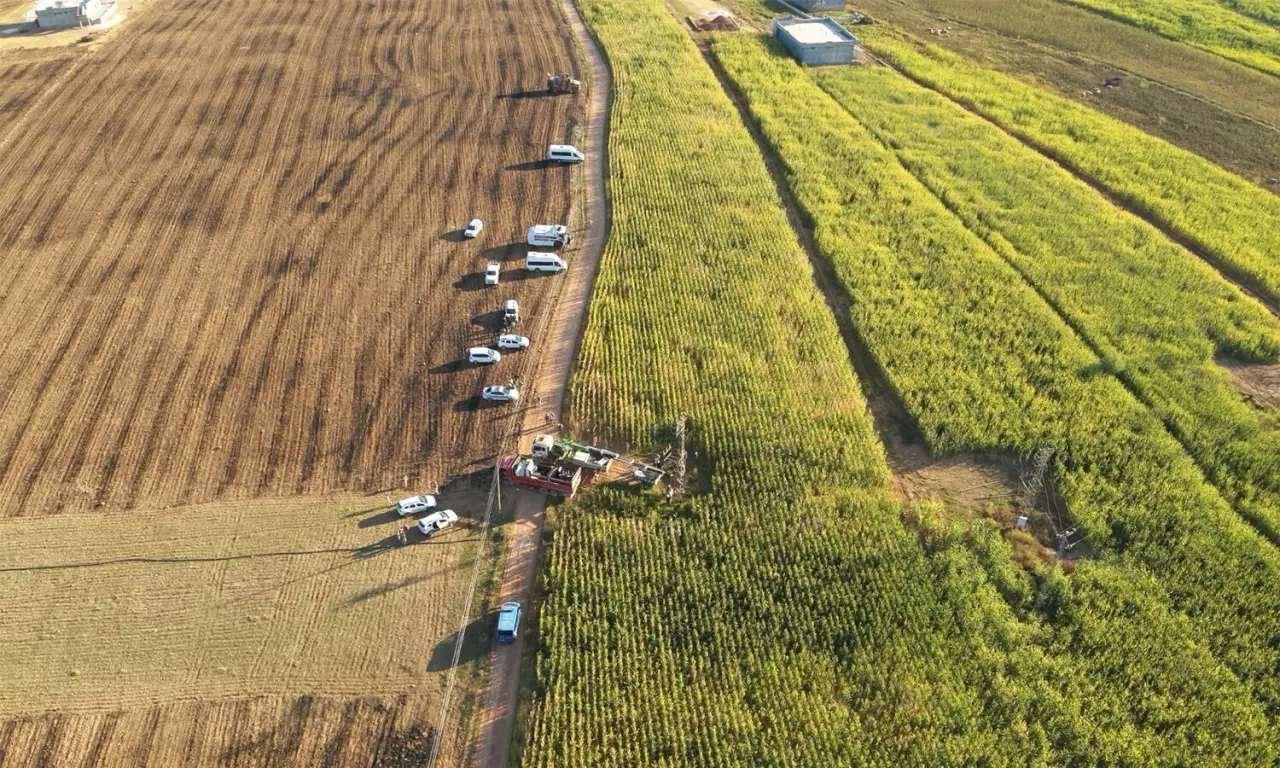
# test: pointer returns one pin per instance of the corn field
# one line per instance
(983, 362)
(1154, 313)
(784, 614)
(1229, 219)
(1244, 32)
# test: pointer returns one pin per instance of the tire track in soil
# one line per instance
(496, 718)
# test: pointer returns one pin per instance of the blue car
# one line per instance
(508, 622)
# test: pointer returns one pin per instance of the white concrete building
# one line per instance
(816, 41)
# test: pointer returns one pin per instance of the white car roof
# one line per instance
(476, 222)
(480, 351)
(564, 147)
(493, 265)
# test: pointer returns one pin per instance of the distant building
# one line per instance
(66, 14)
(811, 6)
(815, 41)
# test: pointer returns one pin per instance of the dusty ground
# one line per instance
(496, 718)
(245, 277)
(1260, 384)
(135, 614)
(261, 730)
(231, 272)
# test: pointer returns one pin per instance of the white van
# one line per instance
(510, 313)
(549, 235)
(544, 262)
(563, 153)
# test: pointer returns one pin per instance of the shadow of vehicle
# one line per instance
(475, 643)
(382, 518)
(524, 94)
(521, 274)
(396, 540)
(489, 321)
(453, 366)
(454, 235)
(508, 252)
(472, 281)
(530, 165)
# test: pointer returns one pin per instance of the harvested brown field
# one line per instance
(136, 618)
(231, 261)
(262, 730)
(234, 299)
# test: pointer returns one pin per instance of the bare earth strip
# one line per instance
(497, 717)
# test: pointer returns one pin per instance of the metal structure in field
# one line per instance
(816, 41)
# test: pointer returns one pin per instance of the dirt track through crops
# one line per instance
(232, 264)
(496, 719)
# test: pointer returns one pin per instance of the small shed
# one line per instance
(815, 41)
(813, 6)
(67, 14)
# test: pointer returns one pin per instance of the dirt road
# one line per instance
(496, 719)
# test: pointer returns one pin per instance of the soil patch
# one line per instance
(1259, 383)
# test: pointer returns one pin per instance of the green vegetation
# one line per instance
(1229, 219)
(1205, 24)
(984, 363)
(784, 615)
(1155, 313)
(1266, 10)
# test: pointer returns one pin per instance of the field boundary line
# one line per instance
(214, 558)
(1246, 284)
(491, 740)
(1048, 49)
(873, 380)
(1107, 360)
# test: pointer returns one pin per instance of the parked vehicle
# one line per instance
(548, 235)
(437, 521)
(473, 228)
(512, 341)
(508, 622)
(562, 83)
(544, 262)
(510, 313)
(415, 504)
(491, 271)
(552, 477)
(503, 393)
(564, 153)
(483, 356)
(586, 456)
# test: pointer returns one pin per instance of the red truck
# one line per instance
(554, 477)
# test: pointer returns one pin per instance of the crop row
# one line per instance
(1227, 218)
(1205, 24)
(783, 614)
(1156, 314)
(984, 363)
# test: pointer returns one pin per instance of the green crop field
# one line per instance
(1156, 314)
(983, 361)
(1232, 221)
(1216, 27)
(785, 613)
